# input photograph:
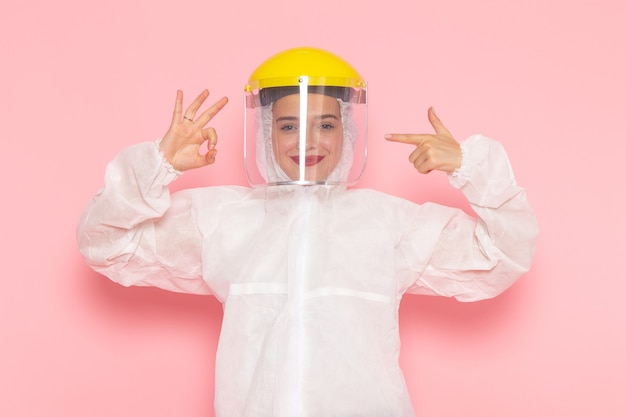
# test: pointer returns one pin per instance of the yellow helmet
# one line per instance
(322, 68)
(299, 76)
(285, 71)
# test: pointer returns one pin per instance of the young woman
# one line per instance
(310, 273)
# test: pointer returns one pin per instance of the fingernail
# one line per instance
(388, 136)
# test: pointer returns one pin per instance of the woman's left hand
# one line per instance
(438, 151)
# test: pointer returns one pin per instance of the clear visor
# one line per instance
(305, 134)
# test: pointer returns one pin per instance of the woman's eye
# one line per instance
(287, 128)
(327, 126)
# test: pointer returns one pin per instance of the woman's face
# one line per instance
(324, 136)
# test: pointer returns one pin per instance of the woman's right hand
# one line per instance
(182, 141)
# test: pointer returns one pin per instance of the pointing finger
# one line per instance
(410, 138)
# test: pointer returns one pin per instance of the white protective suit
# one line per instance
(310, 277)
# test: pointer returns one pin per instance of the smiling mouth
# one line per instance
(309, 160)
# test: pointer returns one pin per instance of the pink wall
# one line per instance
(81, 81)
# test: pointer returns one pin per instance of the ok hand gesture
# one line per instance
(439, 151)
(182, 141)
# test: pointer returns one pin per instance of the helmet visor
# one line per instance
(305, 134)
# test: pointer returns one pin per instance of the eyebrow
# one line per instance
(294, 118)
(287, 118)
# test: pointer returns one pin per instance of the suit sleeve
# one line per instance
(136, 233)
(478, 257)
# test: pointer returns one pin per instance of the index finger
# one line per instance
(409, 138)
(209, 113)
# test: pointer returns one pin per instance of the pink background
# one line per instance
(81, 80)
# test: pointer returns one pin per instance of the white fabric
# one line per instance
(311, 277)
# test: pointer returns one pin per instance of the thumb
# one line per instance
(436, 123)
(209, 157)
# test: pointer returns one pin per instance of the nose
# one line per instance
(311, 140)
